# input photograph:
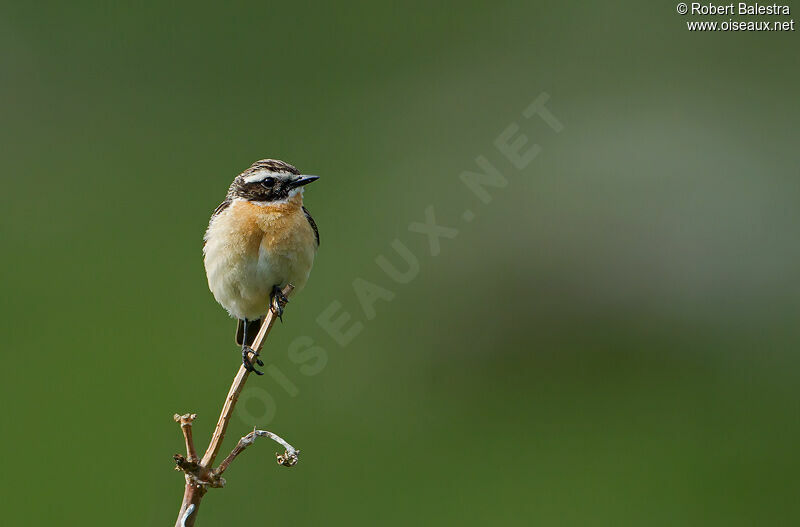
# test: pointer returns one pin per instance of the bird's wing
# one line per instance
(222, 206)
(312, 223)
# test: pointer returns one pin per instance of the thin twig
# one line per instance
(186, 426)
(238, 384)
(199, 475)
(288, 459)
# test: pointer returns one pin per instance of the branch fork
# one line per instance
(199, 474)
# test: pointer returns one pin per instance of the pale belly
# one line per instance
(250, 250)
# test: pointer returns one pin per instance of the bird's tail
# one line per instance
(252, 330)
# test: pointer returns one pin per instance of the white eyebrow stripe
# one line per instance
(261, 175)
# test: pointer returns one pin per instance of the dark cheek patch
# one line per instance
(257, 192)
(281, 191)
(274, 193)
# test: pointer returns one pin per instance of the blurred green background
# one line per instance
(611, 341)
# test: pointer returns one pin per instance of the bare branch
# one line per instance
(192, 495)
(198, 473)
(289, 458)
(238, 384)
(186, 426)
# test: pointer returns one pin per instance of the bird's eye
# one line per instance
(268, 182)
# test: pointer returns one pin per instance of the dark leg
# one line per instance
(247, 349)
(250, 327)
(278, 301)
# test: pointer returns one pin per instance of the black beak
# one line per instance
(303, 180)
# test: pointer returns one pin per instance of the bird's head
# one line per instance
(269, 181)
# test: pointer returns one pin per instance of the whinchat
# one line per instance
(259, 239)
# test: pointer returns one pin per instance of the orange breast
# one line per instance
(281, 228)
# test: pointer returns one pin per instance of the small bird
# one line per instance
(258, 240)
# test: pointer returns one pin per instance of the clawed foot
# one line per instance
(246, 350)
(278, 302)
